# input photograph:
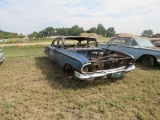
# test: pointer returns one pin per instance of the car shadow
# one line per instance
(63, 80)
(139, 65)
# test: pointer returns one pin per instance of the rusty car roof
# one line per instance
(76, 37)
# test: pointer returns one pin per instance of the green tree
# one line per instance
(101, 30)
(76, 30)
(1, 35)
(147, 33)
(9, 36)
(92, 30)
(49, 31)
(34, 34)
(15, 35)
(39, 34)
(21, 35)
(110, 32)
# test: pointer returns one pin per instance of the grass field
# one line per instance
(32, 40)
(38, 40)
(33, 88)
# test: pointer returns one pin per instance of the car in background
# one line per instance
(155, 42)
(142, 49)
(2, 57)
(81, 55)
(2, 40)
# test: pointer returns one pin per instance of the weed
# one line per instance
(141, 116)
(101, 108)
(7, 106)
(81, 113)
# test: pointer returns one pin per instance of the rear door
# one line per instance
(129, 46)
(57, 52)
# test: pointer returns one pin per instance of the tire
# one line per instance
(148, 61)
(68, 68)
(1, 61)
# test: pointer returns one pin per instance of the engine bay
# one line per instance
(102, 60)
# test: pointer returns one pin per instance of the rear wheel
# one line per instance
(148, 61)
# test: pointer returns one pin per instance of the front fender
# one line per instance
(74, 59)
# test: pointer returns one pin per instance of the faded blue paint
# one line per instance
(62, 56)
(137, 47)
(77, 55)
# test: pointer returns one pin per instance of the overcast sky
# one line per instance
(126, 16)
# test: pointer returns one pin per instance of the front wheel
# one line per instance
(68, 68)
(148, 61)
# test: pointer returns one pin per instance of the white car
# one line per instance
(2, 57)
(3, 40)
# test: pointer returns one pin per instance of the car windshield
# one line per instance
(80, 43)
(144, 42)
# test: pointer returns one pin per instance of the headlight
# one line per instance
(85, 68)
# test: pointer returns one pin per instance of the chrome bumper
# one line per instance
(1, 60)
(158, 61)
(102, 73)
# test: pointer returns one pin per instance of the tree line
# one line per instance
(76, 31)
(6, 35)
(73, 31)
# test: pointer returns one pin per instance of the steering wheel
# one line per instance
(107, 49)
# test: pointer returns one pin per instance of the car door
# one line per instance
(129, 46)
(125, 46)
(53, 51)
(57, 50)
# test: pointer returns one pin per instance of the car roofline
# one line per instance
(75, 37)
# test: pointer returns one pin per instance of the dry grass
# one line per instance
(33, 88)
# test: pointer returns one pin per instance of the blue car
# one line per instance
(142, 49)
(2, 57)
(81, 55)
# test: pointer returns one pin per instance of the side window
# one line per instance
(84, 42)
(92, 43)
(116, 41)
(55, 43)
(60, 43)
(125, 42)
(134, 43)
(52, 44)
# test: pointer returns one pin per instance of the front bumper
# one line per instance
(158, 61)
(103, 73)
